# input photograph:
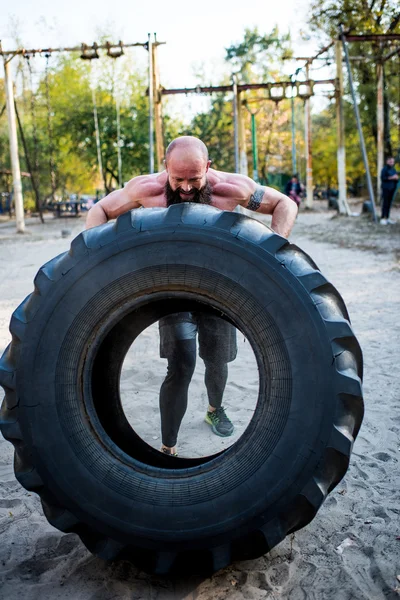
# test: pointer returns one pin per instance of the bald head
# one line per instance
(186, 162)
(187, 146)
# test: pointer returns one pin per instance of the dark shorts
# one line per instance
(217, 337)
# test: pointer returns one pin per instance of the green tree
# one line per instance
(56, 113)
(362, 17)
(258, 57)
(215, 128)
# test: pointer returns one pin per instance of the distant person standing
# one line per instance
(389, 179)
(294, 189)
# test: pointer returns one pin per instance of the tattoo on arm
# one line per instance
(256, 198)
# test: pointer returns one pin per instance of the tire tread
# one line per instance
(346, 356)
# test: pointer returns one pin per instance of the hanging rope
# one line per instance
(53, 180)
(96, 127)
(28, 163)
(117, 110)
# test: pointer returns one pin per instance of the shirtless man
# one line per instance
(189, 178)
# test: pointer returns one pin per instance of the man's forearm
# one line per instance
(284, 216)
(96, 216)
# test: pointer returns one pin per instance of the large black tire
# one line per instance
(62, 410)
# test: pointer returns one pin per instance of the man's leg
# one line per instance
(295, 197)
(215, 378)
(386, 197)
(390, 200)
(217, 342)
(178, 345)
(174, 391)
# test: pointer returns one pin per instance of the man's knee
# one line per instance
(215, 366)
(183, 369)
(182, 362)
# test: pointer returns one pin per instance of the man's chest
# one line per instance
(221, 202)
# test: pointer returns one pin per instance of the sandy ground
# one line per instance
(351, 550)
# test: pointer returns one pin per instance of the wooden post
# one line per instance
(12, 130)
(98, 143)
(307, 121)
(341, 152)
(380, 129)
(158, 123)
(293, 128)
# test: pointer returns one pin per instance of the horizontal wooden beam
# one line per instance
(82, 48)
(373, 37)
(213, 89)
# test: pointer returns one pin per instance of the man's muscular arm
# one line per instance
(115, 204)
(268, 201)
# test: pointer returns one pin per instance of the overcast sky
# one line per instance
(195, 33)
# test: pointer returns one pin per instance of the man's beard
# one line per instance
(201, 196)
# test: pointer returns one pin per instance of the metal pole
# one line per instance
(117, 108)
(157, 110)
(380, 126)
(96, 128)
(12, 128)
(294, 159)
(236, 123)
(307, 122)
(243, 169)
(151, 106)
(254, 144)
(341, 150)
(360, 132)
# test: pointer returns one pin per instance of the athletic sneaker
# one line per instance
(391, 222)
(383, 221)
(220, 423)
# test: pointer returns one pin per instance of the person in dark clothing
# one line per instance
(294, 190)
(389, 179)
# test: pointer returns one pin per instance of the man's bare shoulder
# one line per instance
(143, 187)
(231, 185)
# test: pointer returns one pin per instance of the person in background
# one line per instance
(389, 179)
(294, 190)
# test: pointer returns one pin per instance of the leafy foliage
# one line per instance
(56, 110)
(362, 17)
(259, 55)
(57, 116)
(356, 16)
